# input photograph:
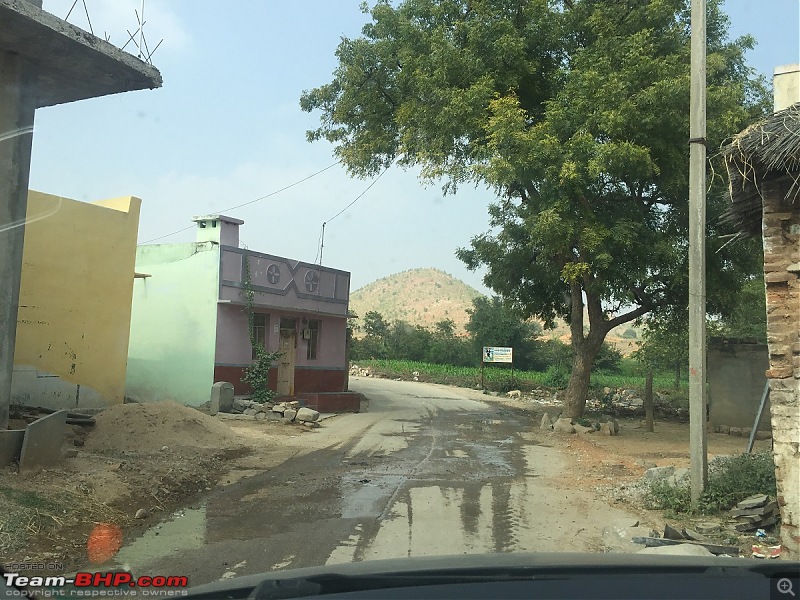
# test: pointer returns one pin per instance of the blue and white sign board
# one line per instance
(497, 355)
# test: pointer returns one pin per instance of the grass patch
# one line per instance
(499, 378)
(22, 514)
(731, 479)
(27, 499)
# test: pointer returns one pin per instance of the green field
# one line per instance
(499, 378)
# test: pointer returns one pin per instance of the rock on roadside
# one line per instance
(563, 425)
(307, 414)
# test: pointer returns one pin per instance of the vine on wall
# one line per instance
(257, 374)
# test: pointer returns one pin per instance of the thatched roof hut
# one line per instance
(765, 151)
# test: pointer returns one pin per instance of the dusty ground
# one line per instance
(157, 458)
(153, 458)
(612, 467)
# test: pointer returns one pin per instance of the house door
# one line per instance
(287, 345)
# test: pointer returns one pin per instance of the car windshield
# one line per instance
(295, 284)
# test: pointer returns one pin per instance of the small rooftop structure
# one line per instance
(218, 228)
(767, 150)
(68, 63)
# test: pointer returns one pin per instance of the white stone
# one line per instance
(563, 425)
(307, 414)
(289, 413)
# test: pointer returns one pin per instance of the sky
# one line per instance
(226, 128)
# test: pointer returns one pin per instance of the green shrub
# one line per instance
(731, 479)
(257, 375)
(556, 376)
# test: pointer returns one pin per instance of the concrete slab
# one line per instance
(42, 444)
(10, 445)
(69, 63)
(221, 397)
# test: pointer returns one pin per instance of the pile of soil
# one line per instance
(144, 459)
(148, 427)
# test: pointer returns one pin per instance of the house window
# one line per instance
(260, 329)
(313, 340)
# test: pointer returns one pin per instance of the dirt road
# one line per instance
(427, 470)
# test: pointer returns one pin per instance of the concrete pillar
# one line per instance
(16, 119)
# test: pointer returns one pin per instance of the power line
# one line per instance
(321, 242)
(374, 181)
(283, 189)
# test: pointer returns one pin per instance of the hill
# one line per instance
(419, 296)
(427, 296)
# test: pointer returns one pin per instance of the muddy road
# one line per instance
(427, 470)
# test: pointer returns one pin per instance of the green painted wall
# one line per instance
(173, 323)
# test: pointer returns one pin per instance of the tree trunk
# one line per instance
(648, 401)
(578, 387)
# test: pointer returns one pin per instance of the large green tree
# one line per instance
(492, 323)
(575, 113)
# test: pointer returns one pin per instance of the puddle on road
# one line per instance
(367, 498)
(184, 531)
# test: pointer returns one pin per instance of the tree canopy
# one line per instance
(575, 114)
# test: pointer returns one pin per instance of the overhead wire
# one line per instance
(264, 197)
(321, 241)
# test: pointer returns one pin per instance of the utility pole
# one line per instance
(697, 254)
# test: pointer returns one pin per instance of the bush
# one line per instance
(257, 375)
(731, 479)
(629, 334)
(556, 376)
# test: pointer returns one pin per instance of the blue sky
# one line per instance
(227, 128)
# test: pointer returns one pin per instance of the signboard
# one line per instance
(497, 355)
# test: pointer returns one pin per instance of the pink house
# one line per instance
(299, 309)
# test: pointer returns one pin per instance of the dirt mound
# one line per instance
(149, 427)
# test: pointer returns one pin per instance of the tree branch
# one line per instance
(629, 316)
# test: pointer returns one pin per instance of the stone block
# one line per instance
(307, 414)
(546, 424)
(261, 416)
(735, 431)
(619, 539)
(290, 413)
(10, 445)
(250, 412)
(41, 446)
(607, 428)
(221, 397)
(779, 277)
(659, 473)
(763, 435)
(563, 425)
(240, 404)
(755, 501)
(279, 408)
(581, 429)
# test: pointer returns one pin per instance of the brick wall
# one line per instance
(781, 234)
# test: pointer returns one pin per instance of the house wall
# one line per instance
(781, 237)
(283, 288)
(736, 383)
(289, 291)
(233, 351)
(173, 323)
(75, 301)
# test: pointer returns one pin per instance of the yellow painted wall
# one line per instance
(76, 291)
